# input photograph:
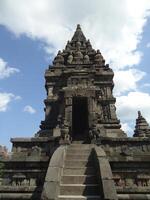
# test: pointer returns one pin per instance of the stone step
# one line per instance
(78, 148)
(82, 179)
(81, 146)
(79, 189)
(78, 163)
(78, 151)
(78, 156)
(78, 197)
(78, 171)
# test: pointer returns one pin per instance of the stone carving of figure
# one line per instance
(70, 58)
(78, 56)
(129, 182)
(93, 133)
(59, 59)
(99, 113)
(86, 59)
(113, 111)
(25, 182)
(101, 93)
(106, 112)
(121, 183)
(89, 46)
(68, 46)
(65, 133)
(84, 45)
(32, 182)
(36, 151)
(96, 132)
(78, 45)
(99, 58)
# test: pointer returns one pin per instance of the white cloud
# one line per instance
(5, 70)
(126, 128)
(5, 99)
(127, 106)
(126, 80)
(146, 85)
(148, 45)
(115, 28)
(29, 109)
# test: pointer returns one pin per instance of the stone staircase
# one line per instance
(79, 180)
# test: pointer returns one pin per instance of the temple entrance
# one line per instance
(80, 118)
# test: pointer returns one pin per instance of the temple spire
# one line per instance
(142, 128)
(78, 35)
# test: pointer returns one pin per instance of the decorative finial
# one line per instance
(78, 35)
(78, 27)
(59, 59)
(139, 114)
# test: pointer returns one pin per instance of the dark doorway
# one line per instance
(80, 118)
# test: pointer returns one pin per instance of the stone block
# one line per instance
(58, 157)
(56, 132)
(50, 190)
(54, 174)
(105, 169)
(109, 190)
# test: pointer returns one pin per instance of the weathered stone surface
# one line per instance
(105, 173)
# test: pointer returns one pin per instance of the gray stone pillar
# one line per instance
(68, 111)
(91, 110)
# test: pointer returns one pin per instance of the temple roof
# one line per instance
(79, 51)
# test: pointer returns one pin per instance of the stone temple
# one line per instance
(80, 151)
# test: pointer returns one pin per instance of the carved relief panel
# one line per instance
(80, 81)
(106, 112)
(131, 179)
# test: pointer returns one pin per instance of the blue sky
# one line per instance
(30, 36)
(28, 84)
